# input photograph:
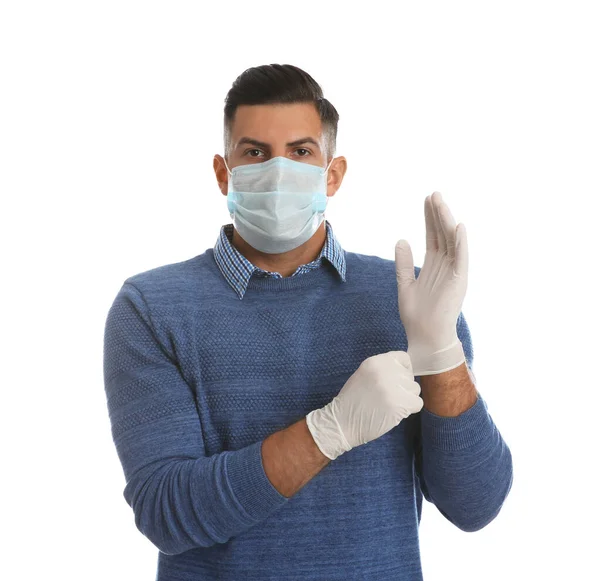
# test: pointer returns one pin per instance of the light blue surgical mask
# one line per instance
(277, 205)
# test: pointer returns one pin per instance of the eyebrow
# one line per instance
(257, 143)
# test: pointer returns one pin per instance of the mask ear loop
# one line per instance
(230, 195)
(328, 166)
(319, 205)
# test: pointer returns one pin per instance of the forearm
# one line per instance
(449, 394)
(291, 458)
(466, 466)
(194, 512)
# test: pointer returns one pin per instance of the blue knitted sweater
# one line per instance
(196, 379)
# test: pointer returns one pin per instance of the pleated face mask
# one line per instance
(277, 205)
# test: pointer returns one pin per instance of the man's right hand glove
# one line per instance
(375, 399)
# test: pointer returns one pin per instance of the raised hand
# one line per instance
(430, 304)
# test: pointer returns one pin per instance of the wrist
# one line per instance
(326, 431)
(430, 359)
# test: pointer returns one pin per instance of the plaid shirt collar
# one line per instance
(238, 270)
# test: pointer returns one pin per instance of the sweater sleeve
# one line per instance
(181, 498)
(463, 464)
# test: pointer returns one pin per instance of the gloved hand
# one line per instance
(431, 304)
(376, 398)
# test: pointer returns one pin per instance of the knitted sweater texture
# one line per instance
(196, 379)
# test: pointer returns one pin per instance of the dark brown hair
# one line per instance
(280, 84)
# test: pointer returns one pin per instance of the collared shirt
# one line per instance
(238, 270)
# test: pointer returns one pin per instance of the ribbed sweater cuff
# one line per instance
(459, 432)
(250, 484)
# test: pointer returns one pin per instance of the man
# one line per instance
(262, 394)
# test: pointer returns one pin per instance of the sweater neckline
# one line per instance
(325, 272)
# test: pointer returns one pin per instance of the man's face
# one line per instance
(261, 132)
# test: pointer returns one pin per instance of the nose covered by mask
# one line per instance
(277, 205)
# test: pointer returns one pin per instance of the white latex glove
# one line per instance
(431, 304)
(376, 398)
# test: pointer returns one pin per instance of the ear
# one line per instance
(337, 171)
(221, 173)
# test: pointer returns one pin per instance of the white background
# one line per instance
(110, 115)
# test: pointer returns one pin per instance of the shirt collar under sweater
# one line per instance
(238, 270)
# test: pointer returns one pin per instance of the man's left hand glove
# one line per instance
(431, 304)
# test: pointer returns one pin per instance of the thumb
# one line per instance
(462, 251)
(403, 359)
(405, 267)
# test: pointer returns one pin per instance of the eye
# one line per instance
(303, 149)
(249, 150)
